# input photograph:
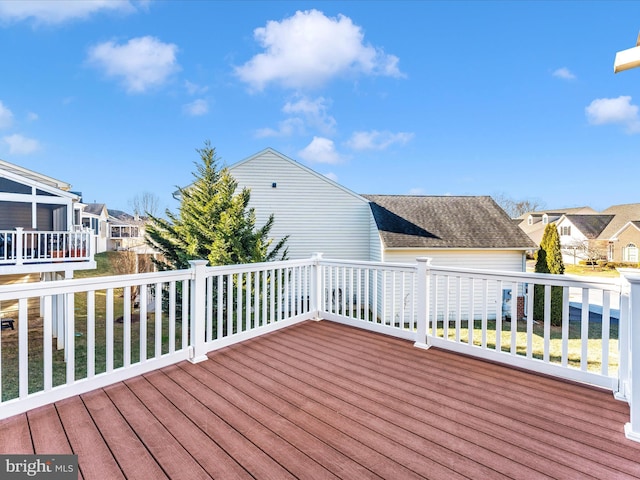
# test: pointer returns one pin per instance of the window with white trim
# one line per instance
(630, 253)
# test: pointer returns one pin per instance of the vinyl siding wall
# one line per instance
(318, 215)
(376, 241)
(457, 289)
(510, 260)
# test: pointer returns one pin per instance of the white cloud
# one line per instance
(314, 113)
(614, 110)
(308, 49)
(197, 108)
(20, 145)
(141, 63)
(320, 150)
(416, 191)
(32, 116)
(6, 116)
(375, 140)
(331, 176)
(50, 12)
(286, 128)
(564, 73)
(195, 89)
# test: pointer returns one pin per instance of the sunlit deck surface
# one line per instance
(322, 400)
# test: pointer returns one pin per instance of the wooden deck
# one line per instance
(321, 400)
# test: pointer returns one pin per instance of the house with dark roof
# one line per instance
(534, 223)
(466, 231)
(320, 215)
(586, 234)
(581, 236)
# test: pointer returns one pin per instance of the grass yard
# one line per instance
(9, 345)
(574, 343)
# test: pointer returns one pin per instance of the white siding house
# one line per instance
(318, 214)
(467, 232)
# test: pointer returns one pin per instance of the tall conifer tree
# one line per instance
(213, 223)
(549, 260)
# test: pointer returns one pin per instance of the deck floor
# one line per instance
(322, 400)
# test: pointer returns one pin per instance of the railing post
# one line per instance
(197, 319)
(624, 348)
(316, 285)
(19, 246)
(422, 303)
(632, 429)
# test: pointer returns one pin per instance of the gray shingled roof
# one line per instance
(623, 213)
(94, 208)
(591, 226)
(407, 221)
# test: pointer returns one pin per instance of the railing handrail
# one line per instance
(75, 285)
(565, 280)
(251, 267)
(419, 302)
(367, 264)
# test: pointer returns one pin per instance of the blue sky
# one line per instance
(437, 98)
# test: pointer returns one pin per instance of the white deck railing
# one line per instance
(107, 329)
(19, 247)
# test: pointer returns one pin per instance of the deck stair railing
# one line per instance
(95, 331)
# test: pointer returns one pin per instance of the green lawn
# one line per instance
(594, 358)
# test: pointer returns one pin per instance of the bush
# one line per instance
(556, 304)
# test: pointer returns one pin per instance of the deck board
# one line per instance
(130, 453)
(322, 400)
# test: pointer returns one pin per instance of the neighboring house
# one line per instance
(317, 214)
(40, 230)
(622, 243)
(534, 223)
(126, 232)
(586, 234)
(41, 236)
(627, 241)
(115, 230)
(581, 237)
(320, 215)
(461, 231)
(95, 217)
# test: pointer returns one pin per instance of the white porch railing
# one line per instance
(19, 247)
(107, 329)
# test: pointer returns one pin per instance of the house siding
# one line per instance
(629, 235)
(508, 260)
(375, 241)
(317, 214)
(14, 214)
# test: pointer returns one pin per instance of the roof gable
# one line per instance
(591, 226)
(623, 214)
(406, 221)
(256, 158)
(34, 176)
(22, 176)
(95, 209)
(632, 224)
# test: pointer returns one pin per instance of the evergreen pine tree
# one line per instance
(549, 260)
(213, 223)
